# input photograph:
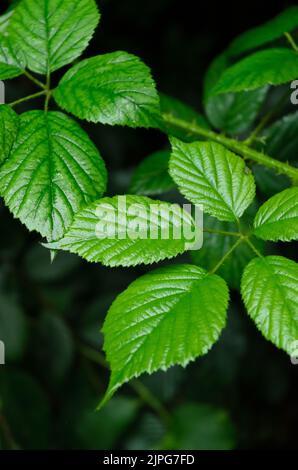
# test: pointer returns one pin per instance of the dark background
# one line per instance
(49, 386)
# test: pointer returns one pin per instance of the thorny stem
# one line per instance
(27, 98)
(143, 392)
(239, 147)
(263, 122)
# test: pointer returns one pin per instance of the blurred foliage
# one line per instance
(243, 394)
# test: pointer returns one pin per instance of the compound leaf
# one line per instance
(9, 123)
(152, 176)
(115, 88)
(272, 66)
(286, 21)
(277, 218)
(128, 230)
(269, 289)
(52, 33)
(53, 170)
(207, 173)
(162, 319)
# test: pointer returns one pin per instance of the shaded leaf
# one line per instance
(234, 113)
(268, 182)
(13, 327)
(26, 409)
(200, 427)
(152, 176)
(281, 138)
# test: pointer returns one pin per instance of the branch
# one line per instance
(236, 146)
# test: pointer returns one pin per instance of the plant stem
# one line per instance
(151, 400)
(27, 98)
(291, 41)
(48, 95)
(222, 232)
(143, 392)
(252, 246)
(34, 80)
(239, 147)
(226, 255)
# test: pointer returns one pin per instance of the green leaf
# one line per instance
(115, 88)
(234, 113)
(9, 124)
(272, 66)
(118, 231)
(214, 71)
(53, 170)
(269, 289)
(207, 173)
(4, 21)
(52, 33)
(163, 318)
(200, 427)
(12, 60)
(277, 219)
(286, 21)
(281, 139)
(180, 110)
(152, 176)
(215, 246)
(268, 182)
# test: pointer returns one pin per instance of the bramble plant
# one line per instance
(52, 178)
